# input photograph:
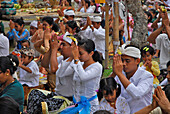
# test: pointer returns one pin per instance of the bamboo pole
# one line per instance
(106, 35)
(116, 27)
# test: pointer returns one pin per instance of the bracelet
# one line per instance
(91, 26)
(76, 60)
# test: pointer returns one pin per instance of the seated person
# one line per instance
(18, 32)
(112, 100)
(136, 83)
(10, 86)
(29, 71)
(148, 64)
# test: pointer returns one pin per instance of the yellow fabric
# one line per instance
(154, 70)
(99, 1)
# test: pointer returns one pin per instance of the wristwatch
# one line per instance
(76, 60)
(91, 26)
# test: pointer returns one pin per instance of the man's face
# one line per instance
(96, 25)
(168, 75)
(130, 64)
(32, 30)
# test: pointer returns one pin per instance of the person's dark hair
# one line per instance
(149, 15)
(88, 2)
(131, 46)
(8, 106)
(50, 21)
(73, 25)
(168, 64)
(19, 21)
(9, 62)
(89, 46)
(102, 112)
(167, 91)
(55, 27)
(23, 41)
(109, 84)
(147, 48)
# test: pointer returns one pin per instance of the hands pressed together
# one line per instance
(160, 99)
(117, 64)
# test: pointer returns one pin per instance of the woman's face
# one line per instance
(3, 77)
(84, 55)
(45, 24)
(18, 27)
(111, 97)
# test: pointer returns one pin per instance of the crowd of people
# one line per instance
(71, 52)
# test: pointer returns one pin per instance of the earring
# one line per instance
(7, 74)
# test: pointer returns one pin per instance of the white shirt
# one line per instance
(98, 36)
(163, 44)
(86, 34)
(122, 107)
(88, 10)
(4, 45)
(86, 82)
(30, 79)
(164, 82)
(139, 93)
(64, 78)
(168, 3)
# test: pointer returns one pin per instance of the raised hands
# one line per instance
(11, 24)
(89, 21)
(161, 99)
(20, 61)
(75, 51)
(148, 63)
(54, 44)
(47, 37)
(117, 64)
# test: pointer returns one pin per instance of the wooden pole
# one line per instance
(107, 35)
(116, 27)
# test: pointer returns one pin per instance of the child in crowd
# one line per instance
(29, 71)
(112, 100)
(151, 66)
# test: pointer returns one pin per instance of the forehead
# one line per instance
(126, 57)
(146, 53)
(66, 43)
